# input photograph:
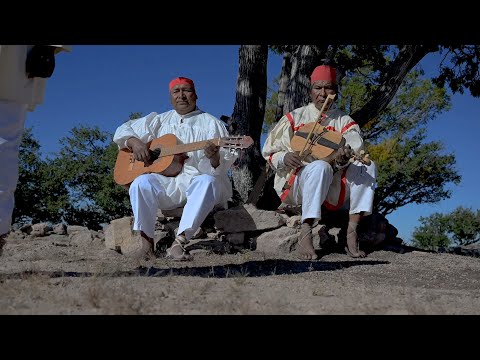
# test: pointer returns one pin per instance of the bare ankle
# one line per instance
(306, 226)
(352, 227)
(149, 239)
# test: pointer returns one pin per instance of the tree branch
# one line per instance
(392, 78)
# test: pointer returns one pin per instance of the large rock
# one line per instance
(279, 241)
(174, 213)
(136, 247)
(294, 221)
(60, 229)
(320, 236)
(85, 238)
(119, 236)
(118, 232)
(74, 228)
(171, 228)
(236, 238)
(40, 230)
(247, 218)
(27, 228)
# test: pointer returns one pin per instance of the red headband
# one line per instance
(180, 80)
(324, 72)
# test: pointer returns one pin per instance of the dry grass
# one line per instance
(90, 280)
(243, 182)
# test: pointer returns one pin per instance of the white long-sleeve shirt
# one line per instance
(195, 126)
(277, 143)
(15, 86)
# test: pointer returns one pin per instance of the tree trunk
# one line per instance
(248, 114)
(304, 60)
(296, 69)
(284, 81)
(408, 57)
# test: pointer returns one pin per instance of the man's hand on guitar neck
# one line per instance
(139, 149)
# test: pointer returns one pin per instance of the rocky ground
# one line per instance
(75, 273)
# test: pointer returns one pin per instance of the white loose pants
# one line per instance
(12, 122)
(147, 194)
(361, 181)
(310, 188)
(314, 183)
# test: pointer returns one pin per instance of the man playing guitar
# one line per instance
(202, 182)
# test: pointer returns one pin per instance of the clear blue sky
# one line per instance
(101, 85)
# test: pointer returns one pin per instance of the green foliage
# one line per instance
(112, 198)
(460, 69)
(135, 115)
(350, 58)
(461, 226)
(411, 171)
(86, 163)
(432, 232)
(76, 186)
(353, 92)
(464, 226)
(271, 106)
(26, 194)
(40, 195)
(416, 103)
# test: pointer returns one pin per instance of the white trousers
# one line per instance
(12, 122)
(361, 181)
(147, 194)
(314, 182)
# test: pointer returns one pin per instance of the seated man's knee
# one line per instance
(206, 179)
(372, 168)
(320, 167)
(139, 183)
(209, 184)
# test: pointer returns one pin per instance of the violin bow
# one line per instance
(326, 106)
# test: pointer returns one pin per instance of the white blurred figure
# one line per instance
(24, 70)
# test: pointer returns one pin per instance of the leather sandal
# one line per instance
(360, 253)
(185, 256)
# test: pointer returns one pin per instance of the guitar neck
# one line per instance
(183, 148)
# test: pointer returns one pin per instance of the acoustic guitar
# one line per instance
(167, 156)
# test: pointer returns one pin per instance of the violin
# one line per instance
(314, 139)
(323, 144)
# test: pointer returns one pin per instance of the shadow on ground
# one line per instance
(248, 269)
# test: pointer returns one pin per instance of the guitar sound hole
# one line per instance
(154, 154)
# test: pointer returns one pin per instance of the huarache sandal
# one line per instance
(184, 256)
(353, 237)
(306, 252)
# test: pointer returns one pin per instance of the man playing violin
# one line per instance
(337, 184)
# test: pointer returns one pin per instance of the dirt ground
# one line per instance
(53, 275)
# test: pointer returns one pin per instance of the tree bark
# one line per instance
(304, 59)
(284, 81)
(248, 114)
